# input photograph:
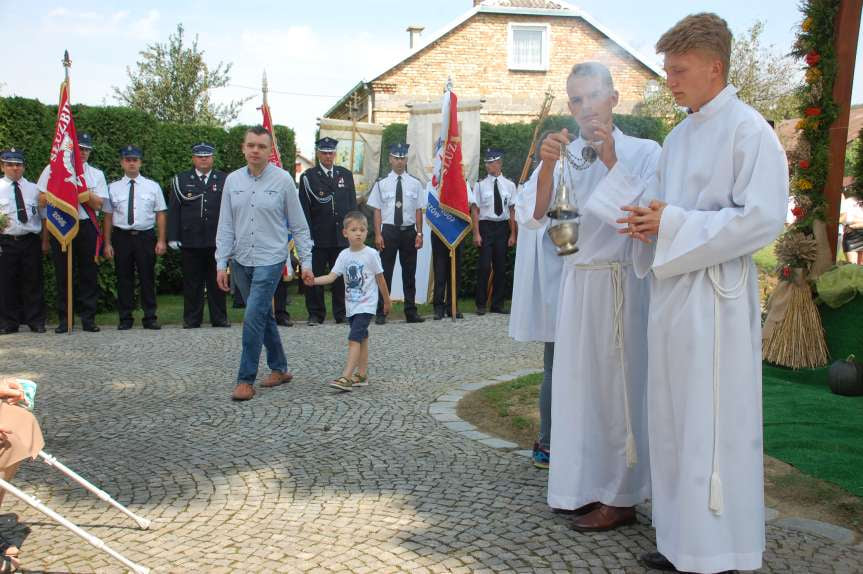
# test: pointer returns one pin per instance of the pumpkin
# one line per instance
(846, 377)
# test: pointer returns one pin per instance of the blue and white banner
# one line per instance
(448, 227)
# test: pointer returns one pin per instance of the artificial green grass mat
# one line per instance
(843, 329)
(812, 429)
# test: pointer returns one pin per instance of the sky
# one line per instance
(312, 56)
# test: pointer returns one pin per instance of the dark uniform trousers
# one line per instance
(492, 254)
(199, 269)
(402, 241)
(281, 300)
(323, 259)
(135, 250)
(442, 275)
(86, 269)
(21, 285)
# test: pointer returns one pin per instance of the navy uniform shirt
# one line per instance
(193, 212)
(326, 201)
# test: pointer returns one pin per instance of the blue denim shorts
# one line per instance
(359, 327)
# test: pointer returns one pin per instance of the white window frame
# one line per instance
(546, 45)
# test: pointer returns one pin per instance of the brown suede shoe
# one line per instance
(243, 392)
(276, 378)
(604, 518)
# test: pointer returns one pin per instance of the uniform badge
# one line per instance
(341, 182)
(398, 204)
(189, 195)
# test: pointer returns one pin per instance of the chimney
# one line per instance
(415, 33)
(476, 3)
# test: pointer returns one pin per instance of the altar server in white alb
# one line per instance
(535, 292)
(599, 427)
(719, 195)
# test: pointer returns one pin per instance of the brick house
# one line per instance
(504, 52)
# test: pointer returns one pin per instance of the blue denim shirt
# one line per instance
(255, 217)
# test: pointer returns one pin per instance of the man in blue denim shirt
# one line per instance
(257, 201)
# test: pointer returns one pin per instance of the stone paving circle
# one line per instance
(303, 478)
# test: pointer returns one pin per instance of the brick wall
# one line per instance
(475, 56)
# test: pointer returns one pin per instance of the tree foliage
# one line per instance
(172, 82)
(765, 79)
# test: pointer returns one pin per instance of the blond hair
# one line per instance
(592, 69)
(704, 31)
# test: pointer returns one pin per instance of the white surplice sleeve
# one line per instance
(691, 239)
(525, 203)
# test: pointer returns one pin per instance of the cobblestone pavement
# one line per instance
(301, 478)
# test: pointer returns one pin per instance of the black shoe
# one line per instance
(438, 314)
(152, 325)
(283, 322)
(124, 326)
(340, 320)
(656, 561)
(312, 322)
(61, 328)
(480, 310)
(415, 319)
(458, 315)
(37, 328)
(222, 324)
(8, 330)
(91, 327)
(381, 320)
(185, 326)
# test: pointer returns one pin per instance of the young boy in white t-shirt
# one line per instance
(360, 265)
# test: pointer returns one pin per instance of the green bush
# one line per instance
(29, 125)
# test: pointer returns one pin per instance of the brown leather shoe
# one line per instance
(243, 392)
(580, 511)
(276, 378)
(604, 518)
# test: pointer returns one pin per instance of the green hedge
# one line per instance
(514, 140)
(29, 125)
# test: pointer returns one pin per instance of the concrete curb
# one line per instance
(444, 411)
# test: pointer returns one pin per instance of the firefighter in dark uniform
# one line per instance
(193, 216)
(327, 194)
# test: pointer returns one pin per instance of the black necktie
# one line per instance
(19, 203)
(130, 215)
(498, 201)
(398, 217)
(203, 178)
(329, 174)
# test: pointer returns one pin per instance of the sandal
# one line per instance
(359, 380)
(9, 562)
(341, 383)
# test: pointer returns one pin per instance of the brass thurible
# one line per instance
(564, 214)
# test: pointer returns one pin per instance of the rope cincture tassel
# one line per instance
(617, 289)
(715, 503)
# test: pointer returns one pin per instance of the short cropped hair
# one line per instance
(259, 130)
(592, 69)
(357, 217)
(704, 31)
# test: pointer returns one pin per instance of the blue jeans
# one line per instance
(257, 285)
(544, 439)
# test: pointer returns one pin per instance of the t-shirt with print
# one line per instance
(359, 269)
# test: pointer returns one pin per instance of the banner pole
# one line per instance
(70, 318)
(453, 287)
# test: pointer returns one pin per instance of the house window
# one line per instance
(528, 46)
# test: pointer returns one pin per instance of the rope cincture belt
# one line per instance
(616, 268)
(720, 292)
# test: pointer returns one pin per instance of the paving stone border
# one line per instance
(444, 409)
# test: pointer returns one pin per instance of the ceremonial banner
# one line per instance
(66, 187)
(275, 157)
(448, 178)
(366, 139)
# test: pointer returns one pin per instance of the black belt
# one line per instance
(402, 228)
(18, 237)
(132, 231)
